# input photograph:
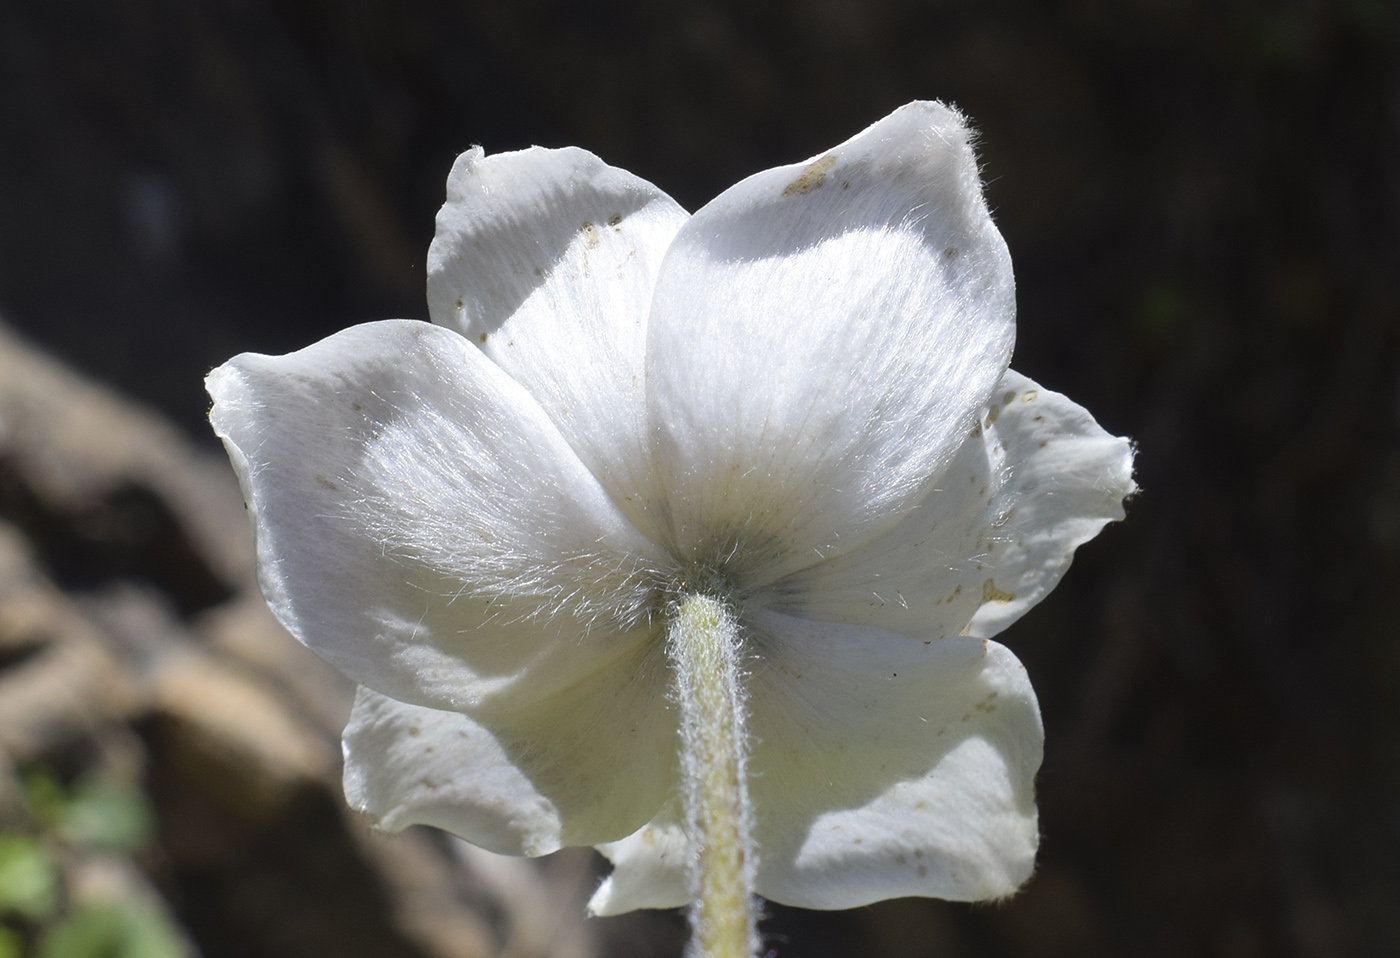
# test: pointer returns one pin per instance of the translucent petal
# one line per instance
(924, 577)
(1035, 479)
(422, 525)
(648, 867)
(547, 260)
(603, 749)
(885, 766)
(821, 338)
(587, 764)
(409, 765)
(1060, 478)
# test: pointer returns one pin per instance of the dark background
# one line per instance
(1202, 201)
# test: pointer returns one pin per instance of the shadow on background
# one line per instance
(1202, 203)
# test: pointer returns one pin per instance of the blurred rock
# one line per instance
(230, 752)
(105, 490)
(59, 682)
(543, 917)
(244, 629)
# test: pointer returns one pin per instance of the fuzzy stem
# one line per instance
(702, 640)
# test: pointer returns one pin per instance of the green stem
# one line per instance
(703, 643)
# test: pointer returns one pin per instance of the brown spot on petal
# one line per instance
(812, 177)
(992, 412)
(325, 483)
(990, 593)
(590, 234)
(615, 221)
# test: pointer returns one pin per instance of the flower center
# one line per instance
(727, 567)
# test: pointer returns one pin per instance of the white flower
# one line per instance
(799, 398)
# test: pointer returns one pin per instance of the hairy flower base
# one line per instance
(798, 399)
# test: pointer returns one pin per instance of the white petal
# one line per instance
(1060, 478)
(648, 867)
(885, 766)
(604, 749)
(821, 338)
(547, 260)
(590, 763)
(420, 523)
(409, 765)
(923, 578)
(1035, 479)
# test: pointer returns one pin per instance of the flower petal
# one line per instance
(547, 260)
(603, 749)
(885, 766)
(924, 577)
(588, 764)
(1060, 478)
(409, 765)
(421, 525)
(882, 767)
(648, 867)
(821, 338)
(1035, 479)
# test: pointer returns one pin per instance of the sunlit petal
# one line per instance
(422, 525)
(821, 339)
(885, 766)
(547, 259)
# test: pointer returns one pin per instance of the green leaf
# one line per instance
(45, 796)
(123, 930)
(107, 817)
(11, 944)
(28, 878)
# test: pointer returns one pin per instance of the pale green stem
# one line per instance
(703, 643)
